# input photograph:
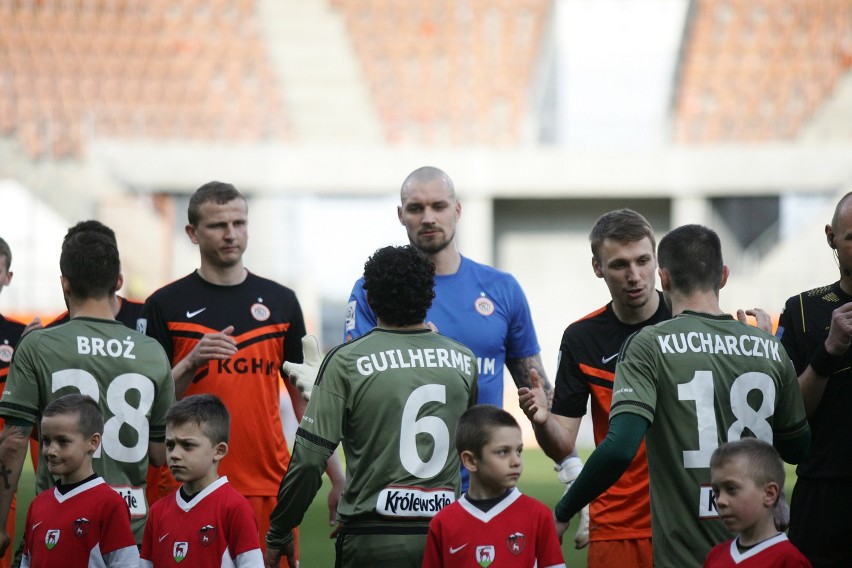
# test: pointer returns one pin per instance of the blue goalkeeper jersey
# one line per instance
(479, 306)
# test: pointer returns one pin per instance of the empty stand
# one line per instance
(75, 69)
(757, 71)
(448, 71)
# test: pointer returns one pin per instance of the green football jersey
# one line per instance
(126, 372)
(701, 380)
(393, 399)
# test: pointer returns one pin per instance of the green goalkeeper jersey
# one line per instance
(393, 398)
(701, 380)
(126, 372)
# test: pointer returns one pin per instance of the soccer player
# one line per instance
(493, 522)
(816, 330)
(747, 477)
(81, 521)
(624, 256)
(393, 397)
(227, 332)
(126, 373)
(689, 383)
(205, 522)
(10, 334)
(480, 306)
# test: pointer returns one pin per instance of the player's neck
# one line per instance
(223, 275)
(385, 325)
(101, 308)
(446, 261)
(631, 316)
(195, 486)
(701, 302)
(83, 472)
(760, 531)
(846, 284)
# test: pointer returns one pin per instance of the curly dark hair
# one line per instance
(400, 284)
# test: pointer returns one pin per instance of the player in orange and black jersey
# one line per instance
(10, 334)
(624, 256)
(228, 332)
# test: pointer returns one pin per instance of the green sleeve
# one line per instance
(606, 464)
(298, 489)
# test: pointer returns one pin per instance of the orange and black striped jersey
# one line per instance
(587, 358)
(268, 327)
(10, 334)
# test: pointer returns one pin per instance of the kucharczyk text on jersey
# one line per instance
(425, 358)
(749, 345)
(99, 347)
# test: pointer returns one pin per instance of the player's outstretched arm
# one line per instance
(521, 368)
(14, 441)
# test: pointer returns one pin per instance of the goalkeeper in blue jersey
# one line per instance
(392, 397)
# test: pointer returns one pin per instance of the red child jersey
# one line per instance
(216, 528)
(777, 552)
(518, 532)
(87, 526)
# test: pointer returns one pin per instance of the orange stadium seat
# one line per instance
(69, 70)
(796, 57)
(445, 72)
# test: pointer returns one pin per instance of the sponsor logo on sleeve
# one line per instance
(349, 322)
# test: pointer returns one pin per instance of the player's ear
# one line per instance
(725, 273)
(664, 279)
(120, 282)
(220, 451)
(771, 494)
(596, 266)
(94, 443)
(66, 286)
(829, 236)
(190, 232)
(468, 460)
(399, 214)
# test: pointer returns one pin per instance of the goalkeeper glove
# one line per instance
(304, 375)
(568, 471)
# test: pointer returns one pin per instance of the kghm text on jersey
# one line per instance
(244, 366)
(748, 345)
(431, 358)
(100, 347)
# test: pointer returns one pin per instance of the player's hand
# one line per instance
(568, 471)
(533, 400)
(561, 528)
(840, 332)
(272, 558)
(761, 317)
(304, 375)
(32, 326)
(218, 345)
(333, 500)
(5, 541)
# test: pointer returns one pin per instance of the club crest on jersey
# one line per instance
(179, 551)
(259, 311)
(51, 539)
(483, 305)
(485, 555)
(206, 535)
(81, 527)
(516, 543)
(6, 352)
